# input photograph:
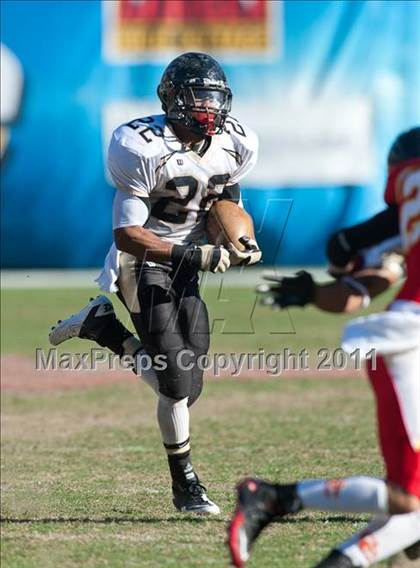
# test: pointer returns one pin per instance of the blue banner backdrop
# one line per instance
(327, 89)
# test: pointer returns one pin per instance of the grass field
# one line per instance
(84, 479)
(237, 322)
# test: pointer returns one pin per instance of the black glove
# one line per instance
(287, 291)
(206, 257)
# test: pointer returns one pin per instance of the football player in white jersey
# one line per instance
(168, 169)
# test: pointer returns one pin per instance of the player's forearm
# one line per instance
(345, 297)
(142, 244)
(145, 245)
(337, 297)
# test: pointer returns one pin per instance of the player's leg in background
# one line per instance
(395, 380)
(395, 503)
(382, 538)
(260, 502)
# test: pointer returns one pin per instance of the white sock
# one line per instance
(174, 422)
(348, 495)
(382, 538)
(350, 547)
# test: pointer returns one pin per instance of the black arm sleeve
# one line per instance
(344, 244)
(382, 226)
(231, 193)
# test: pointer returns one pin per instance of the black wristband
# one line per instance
(189, 254)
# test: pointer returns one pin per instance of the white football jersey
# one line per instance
(146, 159)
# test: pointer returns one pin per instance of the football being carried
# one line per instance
(229, 225)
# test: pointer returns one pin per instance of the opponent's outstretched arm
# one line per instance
(355, 286)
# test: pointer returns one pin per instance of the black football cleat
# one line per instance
(192, 498)
(336, 559)
(258, 504)
(88, 323)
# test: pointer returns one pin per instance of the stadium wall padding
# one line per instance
(55, 200)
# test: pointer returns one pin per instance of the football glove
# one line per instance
(251, 254)
(287, 291)
(206, 257)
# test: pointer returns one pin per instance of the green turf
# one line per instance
(85, 481)
(238, 323)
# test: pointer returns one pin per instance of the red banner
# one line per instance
(135, 28)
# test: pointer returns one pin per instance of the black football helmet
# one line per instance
(194, 91)
(405, 147)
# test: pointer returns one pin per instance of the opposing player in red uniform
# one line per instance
(394, 501)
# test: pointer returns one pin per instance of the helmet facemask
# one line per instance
(202, 109)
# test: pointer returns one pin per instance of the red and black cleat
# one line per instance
(258, 504)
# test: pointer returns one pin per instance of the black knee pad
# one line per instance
(174, 381)
(175, 389)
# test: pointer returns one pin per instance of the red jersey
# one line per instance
(403, 189)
